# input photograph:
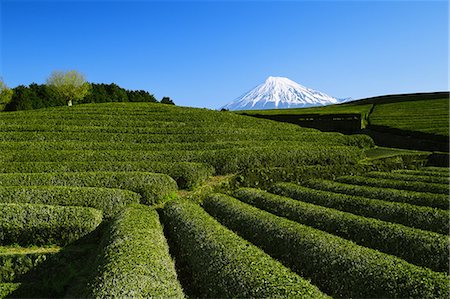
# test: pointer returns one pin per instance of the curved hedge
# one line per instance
(35, 224)
(153, 187)
(223, 265)
(108, 200)
(186, 174)
(338, 266)
(425, 218)
(433, 200)
(224, 161)
(408, 177)
(422, 172)
(415, 246)
(395, 184)
(134, 261)
(14, 262)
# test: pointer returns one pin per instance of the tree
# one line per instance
(5, 95)
(167, 100)
(71, 85)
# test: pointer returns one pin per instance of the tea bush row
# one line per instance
(14, 264)
(108, 200)
(431, 173)
(134, 260)
(440, 201)
(224, 161)
(186, 174)
(337, 266)
(425, 218)
(153, 187)
(415, 246)
(35, 224)
(395, 184)
(222, 265)
(408, 177)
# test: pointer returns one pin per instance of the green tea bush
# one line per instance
(108, 200)
(265, 177)
(337, 266)
(425, 218)
(153, 187)
(408, 177)
(224, 161)
(134, 261)
(440, 201)
(186, 174)
(395, 184)
(415, 246)
(8, 288)
(35, 224)
(431, 173)
(15, 264)
(223, 265)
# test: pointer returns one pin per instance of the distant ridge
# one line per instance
(281, 92)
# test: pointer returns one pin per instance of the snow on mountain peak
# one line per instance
(280, 92)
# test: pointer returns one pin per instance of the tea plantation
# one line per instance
(146, 200)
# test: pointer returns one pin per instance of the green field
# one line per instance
(146, 200)
(429, 116)
(407, 113)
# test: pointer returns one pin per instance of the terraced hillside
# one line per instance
(414, 121)
(101, 200)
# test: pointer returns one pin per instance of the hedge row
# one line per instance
(395, 184)
(134, 261)
(259, 135)
(222, 265)
(35, 224)
(408, 177)
(444, 174)
(436, 169)
(415, 246)
(425, 218)
(8, 288)
(108, 200)
(186, 174)
(265, 177)
(433, 200)
(153, 187)
(338, 266)
(224, 161)
(15, 263)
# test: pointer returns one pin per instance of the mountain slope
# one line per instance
(280, 92)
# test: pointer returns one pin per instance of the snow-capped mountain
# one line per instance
(280, 92)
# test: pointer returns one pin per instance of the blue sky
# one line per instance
(205, 53)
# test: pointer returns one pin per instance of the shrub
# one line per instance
(338, 266)
(423, 172)
(110, 201)
(414, 216)
(34, 224)
(415, 246)
(433, 200)
(14, 263)
(395, 184)
(153, 187)
(134, 260)
(187, 175)
(408, 177)
(8, 288)
(222, 265)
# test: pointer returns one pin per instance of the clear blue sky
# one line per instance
(205, 53)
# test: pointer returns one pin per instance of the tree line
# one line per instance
(64, 88)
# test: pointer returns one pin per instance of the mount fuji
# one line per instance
(280, 92)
